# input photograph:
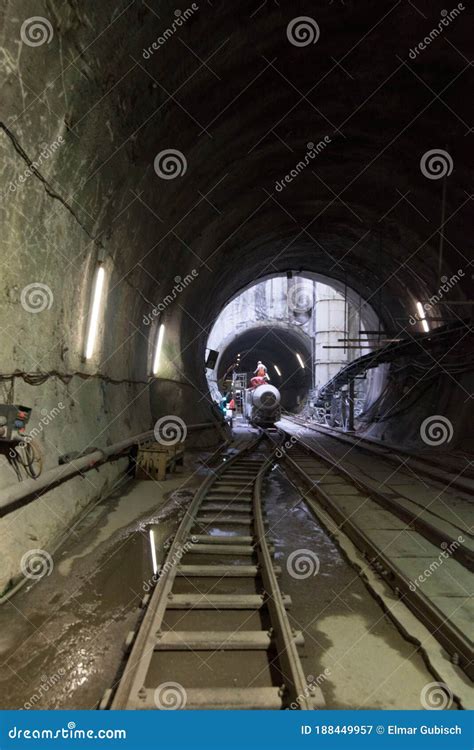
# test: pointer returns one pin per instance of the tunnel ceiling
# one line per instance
(241, 102)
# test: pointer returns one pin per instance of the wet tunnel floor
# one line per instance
(352, 649)
(61, 641)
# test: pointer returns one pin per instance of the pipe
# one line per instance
(14, 494)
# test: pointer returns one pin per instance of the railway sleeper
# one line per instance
(224, 549)
(221, 601)
(222, 571)
(219, 640)
(263, 698)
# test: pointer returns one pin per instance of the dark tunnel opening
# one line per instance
(278, 350)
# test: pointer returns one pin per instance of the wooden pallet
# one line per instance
(154, 460)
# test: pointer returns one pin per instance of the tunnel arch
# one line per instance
(366, 215)
(271, 332)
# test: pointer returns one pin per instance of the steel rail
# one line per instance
(134, 692)
(431, 532)
(451, 638)
(298, 691)
(390, 452)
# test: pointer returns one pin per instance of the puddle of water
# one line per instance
(61, 640)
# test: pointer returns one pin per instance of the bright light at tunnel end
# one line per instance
(94, 313)
(300, 360)
(158, 347)
(422, 316)
(277, 370)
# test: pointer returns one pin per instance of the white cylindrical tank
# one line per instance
(266, 397)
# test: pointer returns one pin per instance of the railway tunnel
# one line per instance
(157, 163)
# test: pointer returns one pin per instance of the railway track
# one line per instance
(453, 476)
(398, 543)
(215, 633)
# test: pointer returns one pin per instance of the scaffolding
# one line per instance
(239, 384)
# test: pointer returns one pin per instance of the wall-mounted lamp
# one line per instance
(277, 370)
(94, 312)
(300, 360)
(158, 347)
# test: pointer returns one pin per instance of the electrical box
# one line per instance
(13, 421)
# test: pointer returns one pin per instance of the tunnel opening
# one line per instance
(304, 327)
